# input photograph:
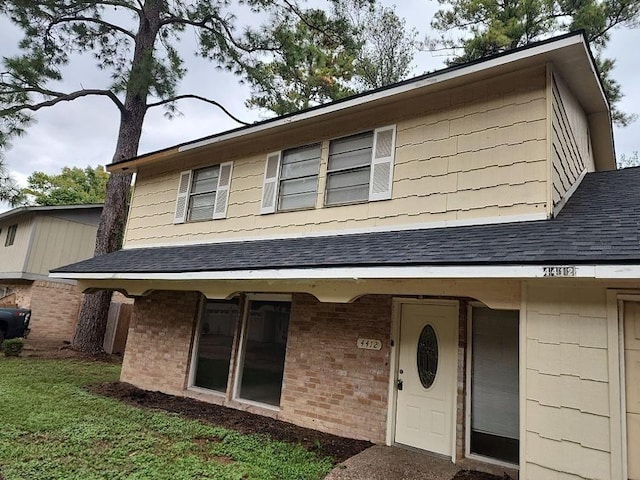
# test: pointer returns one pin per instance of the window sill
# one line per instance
(203, 220)
(359, 202)
(251, 403)
(205, 395)
(305, 209)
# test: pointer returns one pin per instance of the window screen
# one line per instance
(349, 169)
(299, 178)
(202, 198)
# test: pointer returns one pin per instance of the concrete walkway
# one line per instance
(392, 463)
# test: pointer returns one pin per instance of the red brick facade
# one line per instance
(159, 342)
(54, 308)
(461, 407)
(329, 383)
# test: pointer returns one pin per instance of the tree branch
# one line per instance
(115, 3)
(310, 24)
(60, 97)
(202, 99)
(204, 25)
(92, 20)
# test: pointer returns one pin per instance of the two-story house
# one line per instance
(33, 240)
(449, 263)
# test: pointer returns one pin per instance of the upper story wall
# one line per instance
(60, 238)
(571, 152)
(14, 253)
(474, 152)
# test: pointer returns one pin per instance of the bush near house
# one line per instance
(54, 428)
(13, 347)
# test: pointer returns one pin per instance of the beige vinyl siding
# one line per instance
(567, 408)
(570, 143)
(12, 258)
(58, 242)
(475, 151)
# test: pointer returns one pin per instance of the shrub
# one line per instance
(13, 347)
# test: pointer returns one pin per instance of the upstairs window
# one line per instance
(11, 235)
(360, 167)
(203, 194)
(298, 187)
(202, 198)
(291, 179)
(349, 169)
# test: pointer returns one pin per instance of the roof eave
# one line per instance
(524, 271)
(574, 45)
(45, 208)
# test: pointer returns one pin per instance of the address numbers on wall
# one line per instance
(369, 344)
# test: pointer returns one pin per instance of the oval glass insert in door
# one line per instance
(427, 356)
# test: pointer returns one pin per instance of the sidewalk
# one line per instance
(392, 463)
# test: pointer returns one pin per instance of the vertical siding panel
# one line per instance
(59, 242)
(570, 149)
(12, 258)
(567, 385)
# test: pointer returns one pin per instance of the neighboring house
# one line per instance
(446, 263)
(33, 240)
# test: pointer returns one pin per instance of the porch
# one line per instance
(335, 366)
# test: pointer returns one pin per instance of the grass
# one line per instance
(51, 428)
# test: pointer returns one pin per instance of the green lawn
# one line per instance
(51, 428)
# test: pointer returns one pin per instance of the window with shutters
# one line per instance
(202, 198)
(360, 167)
(203, 194)
(349, 169)
(298, 187)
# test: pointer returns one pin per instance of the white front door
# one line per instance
(427, 376)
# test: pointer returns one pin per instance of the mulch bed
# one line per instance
(324, 444)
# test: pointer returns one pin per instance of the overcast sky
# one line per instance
(83, 132)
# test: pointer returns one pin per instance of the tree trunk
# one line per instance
(92, 323)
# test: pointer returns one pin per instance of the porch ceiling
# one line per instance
(600, 225)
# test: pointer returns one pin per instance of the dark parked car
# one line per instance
(14, 323)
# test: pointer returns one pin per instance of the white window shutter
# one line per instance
(222, 193)
(270, 184)
(182, 200)
(384, 148)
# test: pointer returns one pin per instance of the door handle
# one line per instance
(399, 384)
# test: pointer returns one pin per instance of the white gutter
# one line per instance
(414, 85)
(630, 272)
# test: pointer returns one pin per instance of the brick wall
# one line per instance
(22, 293)
(159, 343)
(54, 310)
(329, 384)
(462, 381)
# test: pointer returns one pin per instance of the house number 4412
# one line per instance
(369, 344)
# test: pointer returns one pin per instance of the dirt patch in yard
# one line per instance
(323, 444)
(63, 351)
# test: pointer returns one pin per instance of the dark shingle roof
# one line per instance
(599, 225)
